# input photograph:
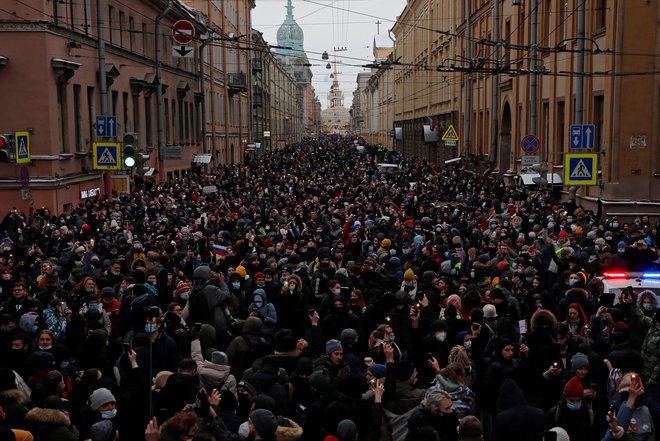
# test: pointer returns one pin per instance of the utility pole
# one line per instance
(532, 77)
(579, 80)
(496, 77)
(468, 80)
(103, 84)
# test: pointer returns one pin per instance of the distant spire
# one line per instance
(289, 9)
(336, 78)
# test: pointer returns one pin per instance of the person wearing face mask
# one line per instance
(101, 406)
(95, 316)
(409, 284)
(573, 414)
(265, 311)
(434, 419)
(292, 306)
(56, 317)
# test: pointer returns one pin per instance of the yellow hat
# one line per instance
(409, 275)
(386, 243)
(240, 270)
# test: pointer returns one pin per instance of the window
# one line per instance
(145, 39)
(115, 101)
(91, 112)
(136, 112)
(88, 16)
(561, 120)
(167, 120)
(77, 122)
(599, 120)
(600, 15)
(131, 33)
(182, 135)
(562, 19)
(545, 120)
(62, 116)
(111, 13)
(125, 110)
(147, 121)
(73, 15)
(122, 28)
(507, 38)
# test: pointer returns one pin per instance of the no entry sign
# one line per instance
(183, 31)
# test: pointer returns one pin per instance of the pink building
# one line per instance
(51, 87)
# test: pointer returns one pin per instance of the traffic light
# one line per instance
(7, 148)
(130, 152)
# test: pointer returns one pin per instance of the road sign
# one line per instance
(450, 134)
(107, 155)
(529, 160)
(183, 31)
(24, 176)
(581, 168)
(106, 126)
(582, 136)
(450, 143)
(22, 144)
(183, 51)
(530, 144)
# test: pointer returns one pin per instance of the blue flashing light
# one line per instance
(650, 275)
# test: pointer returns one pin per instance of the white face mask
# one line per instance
(336, 291)
(441, 336)
(467, 345)
(244, 430)
(6, 277)
(184, 295)
(572, 282)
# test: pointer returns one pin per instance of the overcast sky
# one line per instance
(330, 25)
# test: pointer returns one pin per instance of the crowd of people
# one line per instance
(312, 295)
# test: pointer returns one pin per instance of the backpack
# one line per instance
(198, 306)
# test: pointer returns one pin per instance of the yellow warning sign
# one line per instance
(450, 134)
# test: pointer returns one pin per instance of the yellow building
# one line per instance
(336, 119)
(451, 69)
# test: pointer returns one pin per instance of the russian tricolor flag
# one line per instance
(219, 250)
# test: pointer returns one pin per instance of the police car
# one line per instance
(616, 281)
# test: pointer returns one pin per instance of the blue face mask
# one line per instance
(93, 306)
(35, 329)
(109, 414)
(236, 285)
(149, 328)
(574, 406)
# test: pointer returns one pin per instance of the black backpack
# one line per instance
(198, 307)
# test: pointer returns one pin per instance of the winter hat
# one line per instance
(182, 287)
(107, 292)
(386, 243)
(100, 397)
(333, 346)
(489, 311)
(409, 275)
(7, 379)
(562, 435)
(563, 234)
(259, 294)
(320, 380)
(102, 431)
(404, 370)
(470, 428)
(219, 357)
(202, 272)
(348, 337)
(378, 370)
(579, 360)
(503, 266)
(252, 325)
(346, 431)
(428, 276)
(621, 244)
(240, 270)
(530, 272)
(264, 423)
(573, 388)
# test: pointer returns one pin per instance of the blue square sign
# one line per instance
(582, 136)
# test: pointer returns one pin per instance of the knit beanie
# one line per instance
(320, 380)
(264, 423)
(562, 435)
(409, 275)
(574, 388)
(100, 397)
(378, 370)
(333, 346)
(579, 360)
(347, 430)
(102, 431)
(219, 357)
(348, 337)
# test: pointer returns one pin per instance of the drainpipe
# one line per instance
(468, 81)
(160, 105)
(103, 85)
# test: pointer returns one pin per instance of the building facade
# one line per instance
(473, 64)
(336, 118)
(60, 70)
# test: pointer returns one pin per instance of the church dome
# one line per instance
(290, 34)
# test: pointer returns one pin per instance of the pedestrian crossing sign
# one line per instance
(22, 144)
(107, 156)
(450, 134)
(581, 168)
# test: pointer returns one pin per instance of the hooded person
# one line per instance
(263, 425)
(516, 420)
(214, 373)
(265, 311)
(208, 303)
(50, 421)
(243, 350)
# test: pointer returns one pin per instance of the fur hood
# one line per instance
(48, 416)
(288, 430)
(533, 322)
(14, 395)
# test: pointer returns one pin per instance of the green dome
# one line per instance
(290, 34)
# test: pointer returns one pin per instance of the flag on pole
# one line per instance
(219, 250)
(434, 124)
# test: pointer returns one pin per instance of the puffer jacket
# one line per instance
(651, 355)
(463, 400)
(51, 425)
(210, 373)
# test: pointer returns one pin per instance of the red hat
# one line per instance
(574, 388)
(502, 266)
(86, 228)
(182, 287)
(259, 274)
(563, 234)
(621, 327)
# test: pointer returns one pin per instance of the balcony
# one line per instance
(237, 83)
(257, 65)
